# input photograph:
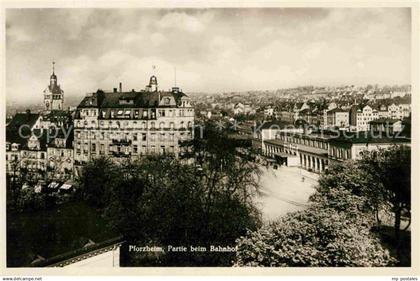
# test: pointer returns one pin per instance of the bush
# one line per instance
(318, 236)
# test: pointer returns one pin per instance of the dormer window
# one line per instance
(167, 101)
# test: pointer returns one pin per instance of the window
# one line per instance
(135, 149)
(135, 136)
(143, 137)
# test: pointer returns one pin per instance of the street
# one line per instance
(284, 190)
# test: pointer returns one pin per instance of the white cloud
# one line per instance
(18, 34)
(190, 23)
(157, 39)
(75, 22)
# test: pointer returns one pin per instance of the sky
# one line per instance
(213, 50)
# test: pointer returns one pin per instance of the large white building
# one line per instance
(121, 124)
(363, 116)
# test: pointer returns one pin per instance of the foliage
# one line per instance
(321, 235)
(159, 200)
(337, 228)
(390, 171)
(29, 200)
(97, 176)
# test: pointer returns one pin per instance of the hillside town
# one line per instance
(305, 126)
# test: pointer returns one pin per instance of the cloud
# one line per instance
(18, 34)
(157, 39)
(187, 22)
(75, 22)
(212, 49)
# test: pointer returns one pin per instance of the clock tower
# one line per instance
(53, 95)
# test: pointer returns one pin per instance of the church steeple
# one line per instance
(53, 77)
(53, 94)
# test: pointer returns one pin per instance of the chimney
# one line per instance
(120, 87)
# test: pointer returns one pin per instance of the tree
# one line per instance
(390, 172)
(161, 201)
(381, 179)
(331, 232)
(97, 181)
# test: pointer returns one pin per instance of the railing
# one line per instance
(79, 254)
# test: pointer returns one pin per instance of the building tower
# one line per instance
(153, 84)
(53, 95)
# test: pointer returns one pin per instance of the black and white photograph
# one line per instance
(209, 137)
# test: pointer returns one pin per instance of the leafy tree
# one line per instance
(29, 200)
(97, 181)
(159, 200)
(381, 177)
(390, 174)
(331, 232)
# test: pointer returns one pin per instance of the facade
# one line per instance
(22, 124)
(364, 116)
(36, 141)
(33, 155)
(386, 126)
(131, 124)
(341, 149)
(60, 155)
(404, 110)
(241, 108)
(309, 151)
(268, 111)
(315, 151)
(336, 118)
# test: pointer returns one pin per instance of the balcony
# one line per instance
(121, 142)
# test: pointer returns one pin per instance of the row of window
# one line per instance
(135, 149)
(134, 124)
(127, 136)
(304, 141)
(340, 153)
(137, 113)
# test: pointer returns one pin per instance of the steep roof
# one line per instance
(20, 126)
(275, 124)
(384, 120)
(68, 135)
(21, 119)
(337, 110)
(140, 99)
(359, 137)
